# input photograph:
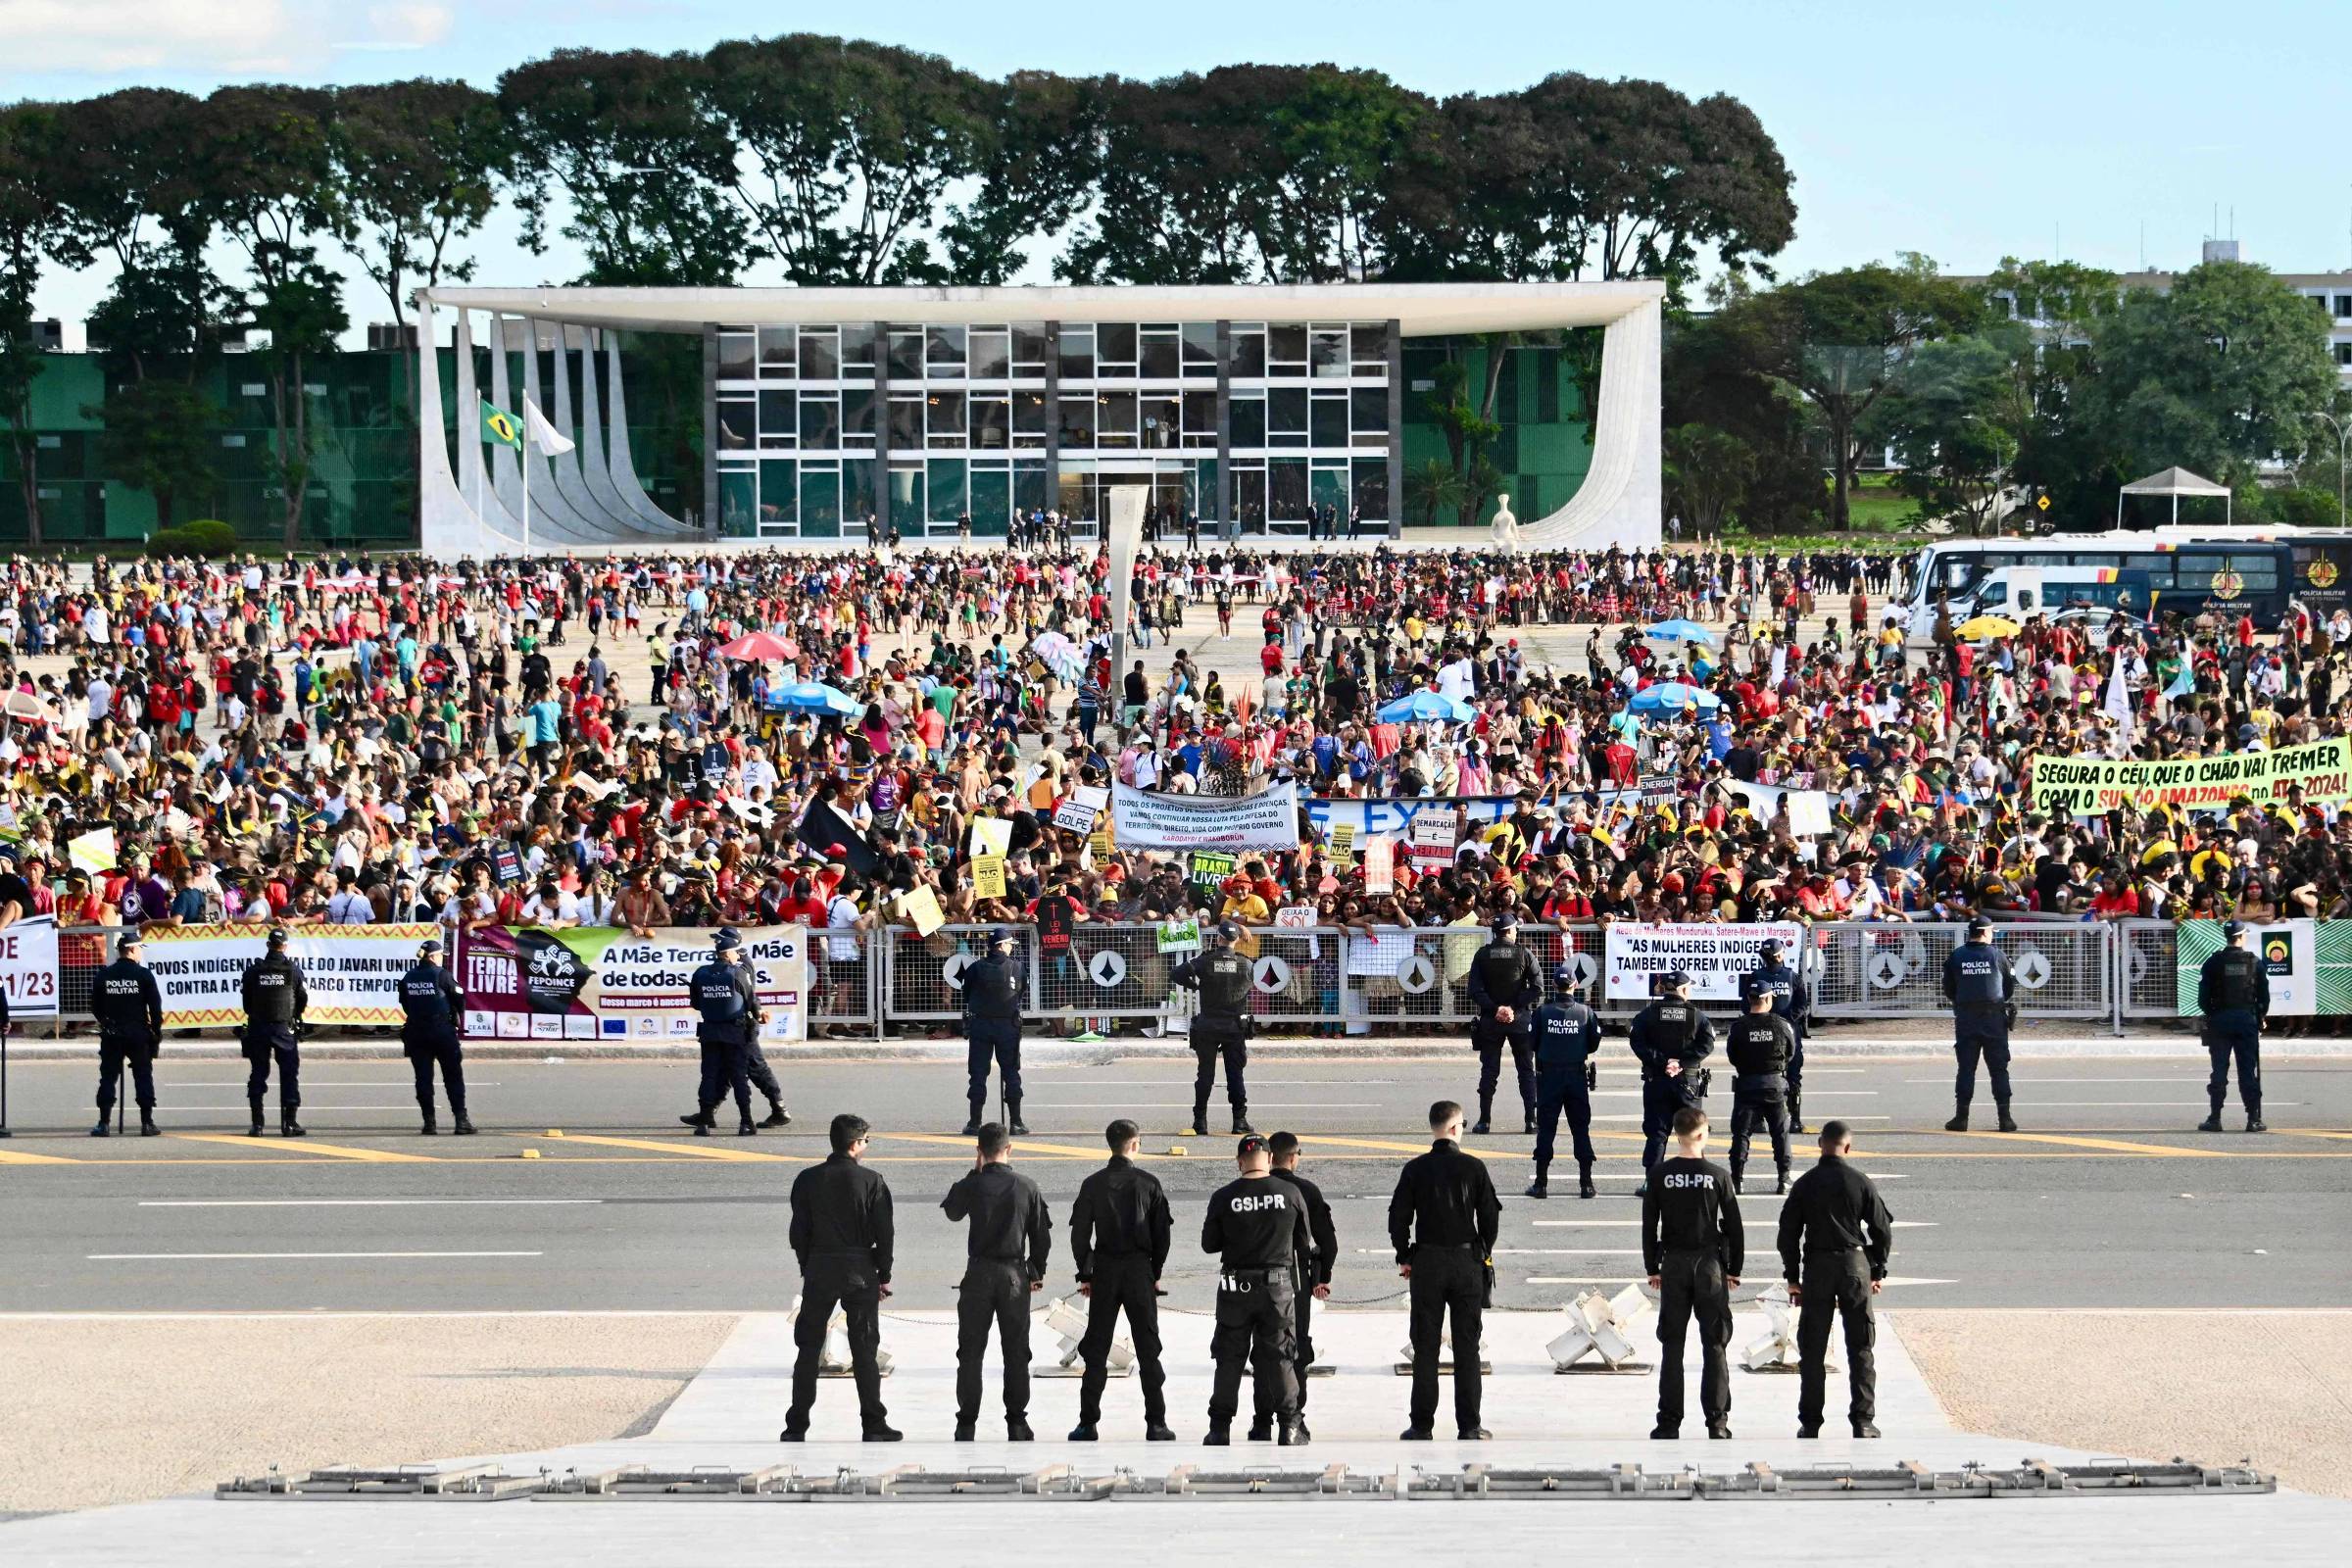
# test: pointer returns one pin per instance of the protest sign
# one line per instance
(991, 835)
(1211, 868)
(1078, 812)
(988, 876)
(2088, 786)
(1808, 809)
(1266, 821)
(352, 972)
(1432, 840)
(920, 909)
(1180, 936)
(28, 966)
(1380, 865)
(600, 983)
(1714, 956)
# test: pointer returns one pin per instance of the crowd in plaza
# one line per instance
(383, 739)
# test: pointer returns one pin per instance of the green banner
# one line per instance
(2090, 786)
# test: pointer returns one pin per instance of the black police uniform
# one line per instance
(1119, 1232)
(1443, 1219)
(2234, 995)
(1257, 1226)
(992, 1008)
(1222, 977)
(1691, 1240)
(130, 1009)
(1760, 1046)
(1668, 1030)
(841, 1235)
(726, 997)
(1978, 983)
(274, 1002)
(1792, 1000)
(1503, 975)
(429, 1004)
(1011, 1235)
(1835, 1235)
(1566, 1033)
(1312, 1270)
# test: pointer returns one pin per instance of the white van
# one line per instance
(2021, 591)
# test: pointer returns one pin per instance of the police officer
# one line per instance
(1314, 1282)
(429, 1004)
(1119, 1230)
(843, 1236)
(1505, 987)
(1566, 1033)
(129, 1009)
(1670, 1039)
(2234, 995)
(1760, 1045)
(992, 1010)
(1692, 1249)
(1257, 1226)
(1222, 977)
(1442, 1220)
(1792, 1000)
(1982, 990)
(274, 1002)
(728, 999)
(1835, 1236)
(762, 1077)
(1005, 1262)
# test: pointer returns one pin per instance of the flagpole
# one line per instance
(481, 526)
(525, 455)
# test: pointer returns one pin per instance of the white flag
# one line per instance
(545, 436)
(2118, 705)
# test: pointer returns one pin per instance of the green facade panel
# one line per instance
(1544, 448)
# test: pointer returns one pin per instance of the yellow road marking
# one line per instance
(678, 1150)
(1024, 1145)
(1389, 1146)
(304, 1146)
(9, 1157)
(2111, 1144)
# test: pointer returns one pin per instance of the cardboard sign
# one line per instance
(921, 909)
(1380, 866)
(1296, 916)
(1180, 936)
(1078, 812)
(991, 835)
(1211, 868)
(988, 876)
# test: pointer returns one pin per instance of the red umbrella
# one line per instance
(757, 645)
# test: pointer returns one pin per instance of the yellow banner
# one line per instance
(2088, 786)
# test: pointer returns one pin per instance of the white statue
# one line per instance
(1506, 526)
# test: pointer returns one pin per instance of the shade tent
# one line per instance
(1681, 631)
(2176, 483)
(1671, 697)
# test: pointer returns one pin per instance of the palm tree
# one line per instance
(1432, 487)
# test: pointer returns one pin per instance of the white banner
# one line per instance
(600, 983)
(1714, 956)
(28, 966)
(1266, 821)
(1393, 818)
(1808, 809)
(352, 972)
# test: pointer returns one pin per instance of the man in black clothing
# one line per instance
(1220, 1028)
(2235, 996)
(274, 1001)
(1566, 1033)
(1005, 1262)
(1692, 1249)
(1670, 1039)
(1835, 1235)
(1257, 1228)
(1119, 1230)
(841, 1235)
(129, 1009)
(1978, 983)
(1760, 1045)
(1505, 987)
(1442, 1220)
(429, 1004)
(993, 989)
(1793, 1001)
(724, 993)
(1314, 1279)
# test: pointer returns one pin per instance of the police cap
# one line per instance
(2233, 930)
(429, 945)
(1005, 937)
(1677, 980)
(1505, 921)
(1565, 977)
(128, 941)
(1250, 1145)
(278, 936)
(1769, 948)
(1979, 927)
(727, 939)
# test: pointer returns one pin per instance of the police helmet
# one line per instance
(278, 936)
(727, 939)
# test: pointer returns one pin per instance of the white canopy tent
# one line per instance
(2175, 482)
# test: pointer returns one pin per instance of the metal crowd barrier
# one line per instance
(1896, 971)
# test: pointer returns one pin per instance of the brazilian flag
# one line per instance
(500, 427)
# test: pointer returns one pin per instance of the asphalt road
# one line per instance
(2106, 1199)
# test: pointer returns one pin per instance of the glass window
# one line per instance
(1074, 493)
(1114, 419)
(735, 355)
(1162, 417)
(943, 350)
(905, 354)
(1205, 487)
(992, 421)
(858, 416)
(779, 424)
(947, 490)
(1162, 359)
(856, 345)
(1201, 417)
(1250, 355)
(1029, 489)
(779, 493)
(992, 353)
(2261, 571)
(1249, 417)
(820, 505)
(1330, 488)
(738, 423)
(991, 501)
(906, 500)
(1029, 348)
(738, 503)
(1368, 342)
(856, 497)
(2343, 306)
(776, 345)
(1078, 420)
(1077, 353)
(1249, 498)
(1368, 411)
(1330, 422)
(1371, 487)
(1286, 489)
(1330, 349)
(942, 420)
(1286, 417)
(1286, 349)
(1114, 344)
(1028, 419)
(906, 423)
(1200, 348)
(820, 353)
(820, 421)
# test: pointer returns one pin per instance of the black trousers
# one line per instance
(442, 1051)
(1449, 1285)
(113, 1056)
(1302, 1349)
(1759, 1102)
(764, 1077)
(1257, 1326)
(2224, 1043)
(1562, 1088)
(1984, 1035)
(1836, 1284)
(1490, 1038)
(997, 1042)
(995, 1294)
(847, 1283)
(1661, 1098)
(726, 1069)
(263, 1043)
(1213, 1037)
(1122, 1285)
(1691, 1283)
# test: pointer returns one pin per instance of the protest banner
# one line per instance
(1714, 956)
(1266, 821)
(2308, 964)
(2088, 786)
(988, 876)
(1078, 812)
(1380, 865)
(1180, 936)
(1211, 868)
(600, 983)
(352, 972)
(1808, 809)
(1393, 818)
(28, 966)
(1432, 840)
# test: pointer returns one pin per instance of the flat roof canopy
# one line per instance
(1424, 310)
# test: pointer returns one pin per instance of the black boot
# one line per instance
(1796, 1112)
(1738, 1178)
(695, 1118)
(1781, 1186)
(1486, 1111)
(1261, 1430)
(972, 1124)
(1584, 1181)
(147, 1126)
(1959, 1121)
(2006, 1124)
(2254, 1120)
(1527, 1124)
(746, 1128)
(2213, 1122)
(255, 1131)
(776, 1116)
(104, 1127)
(288, 1127)
(1218, 1436)
(1241, 1123)
(1201, 1120)
(465, 1127)
(705, 1124)
(1541, 1187)
(430, 1126)
(1013, 1109)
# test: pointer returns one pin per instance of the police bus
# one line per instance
(2263, 573)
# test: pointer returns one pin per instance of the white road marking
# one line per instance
(193, 1258)
(326, 1083)
(1890, 1281)
(1186, 1104)
(1900, 1224)
(240, 1107)
(357, 1203)
(2152, 1104)
(2012, 1078)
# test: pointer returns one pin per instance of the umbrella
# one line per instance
(1426, 707)
(758, 645)
(1060, 655)
(1984, 626)
(1679, 630)
(25, 705)
(1673, 697)
(815, 695)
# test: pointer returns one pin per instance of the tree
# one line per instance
(646, 172)
(159, 437)
(2060, 452)
(32, 221)
(1037, 172)
(1434, 487)
(1706, 472)
(299, 305)
(420, 164)
(1167, 208)
(1955, 420)
(1712, 377)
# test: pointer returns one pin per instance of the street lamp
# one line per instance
(2342, 432)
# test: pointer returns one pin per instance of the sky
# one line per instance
(2109, 133)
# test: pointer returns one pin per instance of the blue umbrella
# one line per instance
(1679, 630)
(815, 695)
(1673, 697)
(1426, 707)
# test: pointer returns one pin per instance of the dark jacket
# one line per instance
(1121, 1212)
(1834, 1208)
(2232, 981)
(1319, 1228)
(841, 1212)
(1009, 1220)
(1671, 1031)
(992, 988)
(1444, 1198)
(1255, 1222)
(128, 1007)
(429, 1002)
(273, 990)
(1690, 1207)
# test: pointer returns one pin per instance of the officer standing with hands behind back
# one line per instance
(843, 1236)
(129, 1009)
(1983, 993)
(275, 1003)
(2233, 993)
(1222, 977)
(429, 1004)
(1505, 987)
(1566, 1033)
(1119, 1232)
(1670, 1039)
(1835, 1236)
(992, 986)
(1256, 1227)
(1760, 1045)
(1442, 1220)
(1692, 1249)
(1792, 1001)
(728, 999)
